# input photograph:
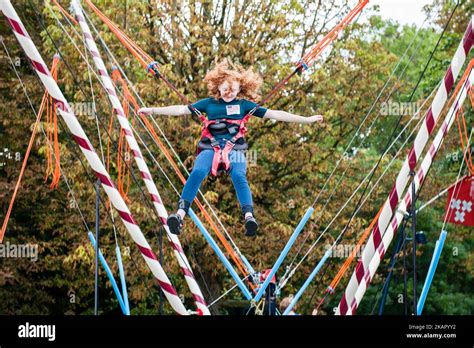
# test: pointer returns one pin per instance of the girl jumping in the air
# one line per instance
(233, 92)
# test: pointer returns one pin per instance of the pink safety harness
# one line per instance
(221, 156)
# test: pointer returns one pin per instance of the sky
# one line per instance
(403, 11)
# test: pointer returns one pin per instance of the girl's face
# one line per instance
(229, 90)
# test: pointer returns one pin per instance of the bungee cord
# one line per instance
(355, 136)
(243, 265)
(149, 130)
(292, 271)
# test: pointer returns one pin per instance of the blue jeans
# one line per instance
(238, 174)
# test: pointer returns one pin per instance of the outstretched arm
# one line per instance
(284, 116)
(173, 110)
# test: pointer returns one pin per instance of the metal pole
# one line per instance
(413, 228)
(96, 285)
(285, 252)
(431, 271)
(220, 254)
(123, 304)
(308, 281)
(393, 259)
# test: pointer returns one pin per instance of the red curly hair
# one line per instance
(225, 70)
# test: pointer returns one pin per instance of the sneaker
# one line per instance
(251, 226)
(175, 223)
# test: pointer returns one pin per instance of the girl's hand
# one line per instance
(145, 111)
(316, 118)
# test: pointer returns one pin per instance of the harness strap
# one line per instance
(221, 156)
(225, 155)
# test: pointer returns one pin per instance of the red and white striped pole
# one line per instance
(403, 177)
(92, 158)
(405, 204)
(139, 160)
